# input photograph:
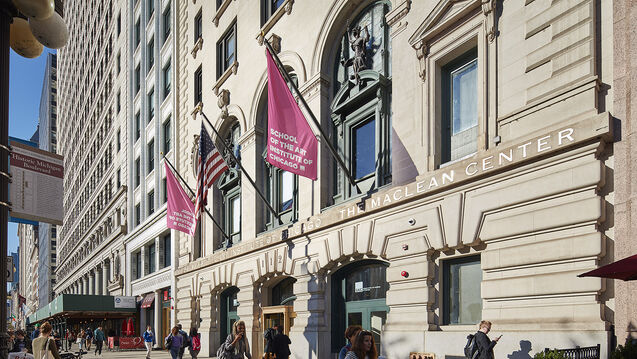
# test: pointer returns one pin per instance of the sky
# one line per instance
(26, 77)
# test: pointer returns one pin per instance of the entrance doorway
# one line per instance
(359, 292)
(228, 313)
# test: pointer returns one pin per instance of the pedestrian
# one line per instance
(36, 332)
(44, 342)
(485, 345)
(363, 347)
(236, 345)
(281, 344)
(69, 339)
(350, 334)
(81, 341)
(269, 337)
(21, 343)
(174, 342)
(195, 342)
(89, 339)
(149, 338)
(184, 343)
(99, 338)
(58, 339)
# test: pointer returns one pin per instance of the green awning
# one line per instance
(78, 304)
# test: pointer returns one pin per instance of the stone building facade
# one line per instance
(481, 142)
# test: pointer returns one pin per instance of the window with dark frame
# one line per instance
(119, 63)
(119, 140)
(268, 8)
(119, 23)
(119, 101)
(166, 22)
(150, 198)
(138, 261)
(227, 49)
(462, 301)
(150, 257)
(219, 2)
(198, 86)
(138, 79)
(119, 178)
(150, 53)
(150, 153)
(164, 190)
(138, 174)
(151, 8)
(138, 31)
(459, 112)
(167, 79)
(137, 126)
(138, 215)
(167, 250)
(198, 26)
(151, 104)
(167, 135)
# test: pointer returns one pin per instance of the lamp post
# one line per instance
(39, 12)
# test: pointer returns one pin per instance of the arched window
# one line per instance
(283, 292)
(229, 185)
(361, 108)
(280, 187)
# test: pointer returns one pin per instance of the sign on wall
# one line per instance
(124, 302)
(10, 269)
(36, 189)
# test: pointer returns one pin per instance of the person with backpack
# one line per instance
(174, 342)
(281, 344)
(484, 345)
(184, 343)
(195, 343)
(350, 335)
(89, 339)
(149, 338)
(268, 335)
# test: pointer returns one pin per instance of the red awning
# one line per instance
(148, 300)
(625, 269)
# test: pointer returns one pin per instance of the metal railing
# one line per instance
(579, 353)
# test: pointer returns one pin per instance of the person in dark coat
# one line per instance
(269, 337)
(485, 345)
(21, 343)
(281, 344)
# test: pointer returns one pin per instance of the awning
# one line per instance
(148, 300)
(625, 269)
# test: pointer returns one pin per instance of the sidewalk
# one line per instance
(130, 354)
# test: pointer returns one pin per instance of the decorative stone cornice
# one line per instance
(313, 86)
(422, 50)
(398, 13)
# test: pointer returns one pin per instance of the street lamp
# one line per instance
(25, 25)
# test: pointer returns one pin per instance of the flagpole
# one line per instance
(225, 146)
(193, 193)
(330, 146)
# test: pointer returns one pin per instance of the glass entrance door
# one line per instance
(369, 314)
(228, 313)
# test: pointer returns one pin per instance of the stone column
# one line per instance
(98, 280)
(105, 277)
(157, 314)
(209, 333)
(310, 332)
(91, 282)
(248, 307)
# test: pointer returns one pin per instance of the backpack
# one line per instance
(168, 341)
(196, 343)
(471, 349)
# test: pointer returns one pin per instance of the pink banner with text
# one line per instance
(181, 210)
(292, 145)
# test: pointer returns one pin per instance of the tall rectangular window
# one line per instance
(151, 202)
(119, 178)
(119, 63)
(138, 174)
(460, 107)
(138, 33)
(150, 52)
(164, 190)
(227, 50)
(119, 23)
(235, 215)
(119, 101)
(198, 26)
(151, 8)
(166, 133)
(151, 104)
(151, 155)
(138, 79)
(364, 148)
(137, 257)
(138, 215)
(137, 126)
(167, 79)
(119, 140)
(167, 250)
(166, 22)
(462, 301)
(198, 86)
(268, 8)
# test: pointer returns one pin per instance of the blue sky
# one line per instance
(25, 86)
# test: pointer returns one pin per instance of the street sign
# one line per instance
(9, 269)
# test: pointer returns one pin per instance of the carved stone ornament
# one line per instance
(357, 41)
(489, 8)
(198, 46)
(422, 50)
(223, 100)
(275, 41)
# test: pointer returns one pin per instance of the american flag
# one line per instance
(211, 165)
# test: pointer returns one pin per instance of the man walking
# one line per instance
(149, 338)
(184, 342)
(485, 345)
(281, 344)
(99, 337)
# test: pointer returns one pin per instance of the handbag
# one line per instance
(222, 353)
(46, 349)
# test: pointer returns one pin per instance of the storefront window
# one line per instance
(462, 301)
(366, 283)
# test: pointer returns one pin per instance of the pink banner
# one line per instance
(181, 210)
(292, 145)
(131, 343)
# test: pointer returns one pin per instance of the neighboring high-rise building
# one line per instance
(151, 95)
(28, 273)
(47, 140)
(16, 268)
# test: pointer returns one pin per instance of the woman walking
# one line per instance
(81, 341)
(173, 342)
(195, 343)
(44, 344)
(236, 345)
(363, 347)
(149, 338)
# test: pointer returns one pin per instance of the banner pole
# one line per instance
(192, 193)
(254, 185)
(329, 145)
